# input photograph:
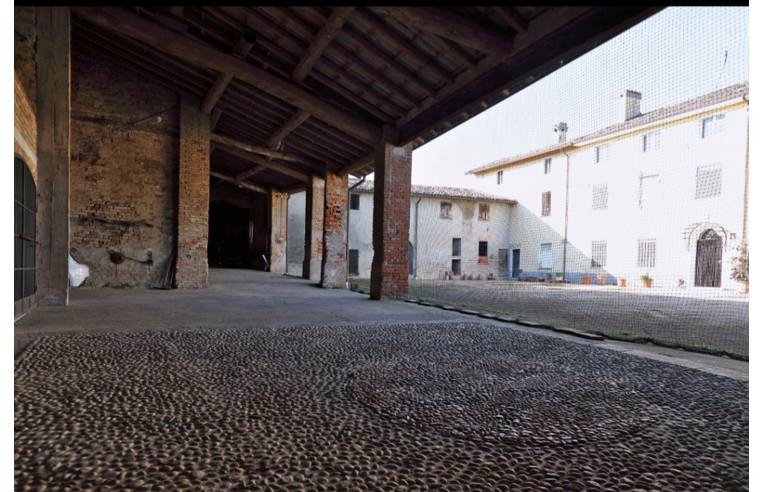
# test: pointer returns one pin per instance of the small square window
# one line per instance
(708, 181)
(712, 125)
(445, 210)
(483, 211)
(355, 201)
(547, 165)
(599, 254)
(651, 141)
(599, 197)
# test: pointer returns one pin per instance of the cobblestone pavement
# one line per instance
(707, 324)
(385, 406)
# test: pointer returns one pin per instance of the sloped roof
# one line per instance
(439, 192)
(719, 96)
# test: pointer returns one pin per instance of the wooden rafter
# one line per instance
(260, 161)
(254, 149)
(321, 41)
(243, 47)
(451, 26)
(512, 17)
(240, 184)
(198, 53)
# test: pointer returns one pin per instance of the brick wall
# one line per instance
(392, 202)
(193, 197)
(334, 266)
(25, 87)
(314, 229)
(123, 177)
(278, 229)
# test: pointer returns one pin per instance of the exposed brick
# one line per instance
(334, 263)
(314, 229)
(392, 202)
(193, 197)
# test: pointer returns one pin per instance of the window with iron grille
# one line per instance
(646, 253)
(483, 211)
(599, 254)
(445, 210)
(499, 177)
(545, 256)
(547, 165)
(546, 203)
(712, 125)
(456, 246)
(355, 201)
(599, 197)
(708, 181)
(651, 141)
(353, 262)
(602, 153)
(24, 232)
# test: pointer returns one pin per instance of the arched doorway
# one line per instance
(708, 260)
(24, 237)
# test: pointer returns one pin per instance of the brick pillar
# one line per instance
(277, 260)
(314, 229)
(390, 236)
(334, 266)
(53, 154)
(193, 197)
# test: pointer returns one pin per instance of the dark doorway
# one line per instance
(708, 261)
(24, 236)
(515, 263)
(230, 236)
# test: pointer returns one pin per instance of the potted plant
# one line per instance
(647, 281)
(586, 280)
(559, 277)
(602, 278)
(740, 266)
(621, 281)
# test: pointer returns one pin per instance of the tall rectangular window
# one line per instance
(545, 256)
(599, 197)
(483, 211)
(546, 203)
(646, 253)
(499, 177)
(651, 141)
(456, 246)
(648, 190)
(547, 165)
(353, 262)
(445, 210)
(602, 153)
(456, 267)
(482, 248)
(355, 201)
(712, 125)
(708, 181)
(599, 254)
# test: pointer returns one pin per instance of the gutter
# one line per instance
(565, 237)
(416, 235)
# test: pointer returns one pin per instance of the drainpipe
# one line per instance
(745, 189)
(565, 238)
(347, 231)
(416, 235)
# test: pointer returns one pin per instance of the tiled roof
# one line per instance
(725, 94)
(439, 192)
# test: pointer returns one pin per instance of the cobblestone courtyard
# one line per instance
(368, 406)
(712, 321)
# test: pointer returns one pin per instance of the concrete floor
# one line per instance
(241, 298)
(266, 382)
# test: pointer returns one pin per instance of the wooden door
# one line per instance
(708, 261)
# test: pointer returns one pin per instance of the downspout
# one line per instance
(745, 189)
(416, 235)
(565, 237)
(347, 230)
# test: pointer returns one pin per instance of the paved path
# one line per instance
(392, 406)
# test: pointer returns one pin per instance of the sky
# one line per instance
(675, 55)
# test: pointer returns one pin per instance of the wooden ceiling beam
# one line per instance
(512, 17)
(196, 52)
(231, 179)
(261, 161)
(254, 149)
(321, 41)
(451, 26)
(243, 47)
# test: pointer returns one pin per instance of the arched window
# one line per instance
(24, 234)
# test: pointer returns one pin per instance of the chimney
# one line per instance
(562, 129)
(629, 105)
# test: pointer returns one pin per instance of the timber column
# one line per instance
(390, 233)
(278, 244)
(334, 266)
(314, 229)
(193, 197)
(53, 154)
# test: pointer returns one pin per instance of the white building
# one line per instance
(662, 194)
(456, 230)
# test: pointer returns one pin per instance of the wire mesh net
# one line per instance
(610, 196)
